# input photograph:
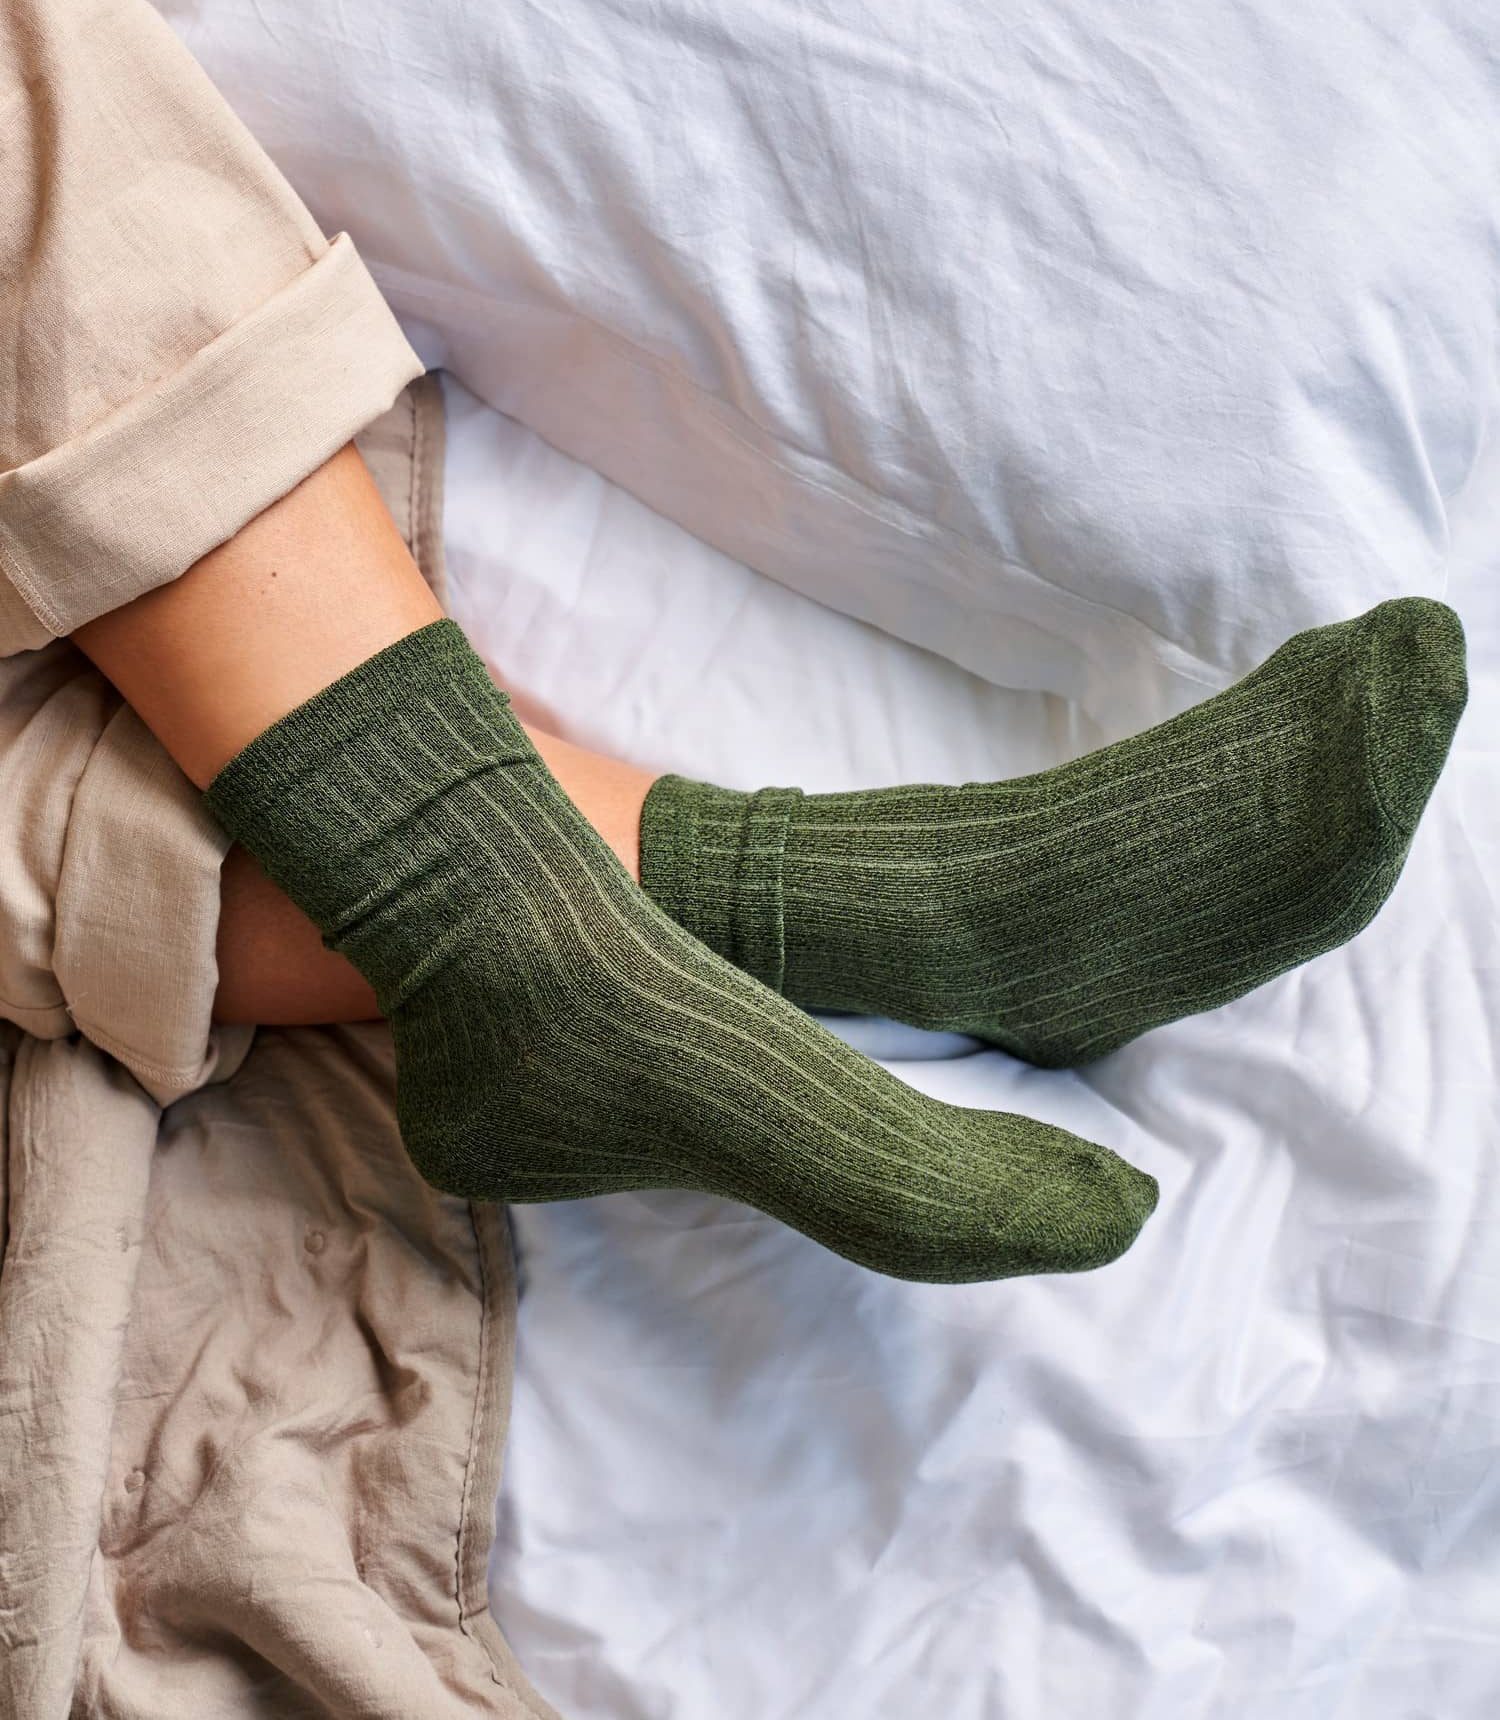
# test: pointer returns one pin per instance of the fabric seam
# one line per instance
(476, 1423)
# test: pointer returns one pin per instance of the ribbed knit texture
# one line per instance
(1061, 915)
(558, 1036)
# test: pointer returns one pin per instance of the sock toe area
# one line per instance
(1109, 1201)
(1415, 687)
(1082, 1211)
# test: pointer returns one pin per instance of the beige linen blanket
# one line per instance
(254, 1373)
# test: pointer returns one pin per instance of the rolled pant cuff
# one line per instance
(131, 503)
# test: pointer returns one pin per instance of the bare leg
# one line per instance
(308, 590)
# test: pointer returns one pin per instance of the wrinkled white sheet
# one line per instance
(1250, 1472)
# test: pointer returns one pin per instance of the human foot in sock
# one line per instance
(1060, 915)
(558, 1036)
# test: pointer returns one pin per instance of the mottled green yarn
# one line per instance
(1062, 914)
(558, 1036)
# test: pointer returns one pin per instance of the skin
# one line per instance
(304, 593)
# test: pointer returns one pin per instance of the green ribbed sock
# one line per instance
(1060, 915)
(558, 1036)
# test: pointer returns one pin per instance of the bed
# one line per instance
(1252, 1470)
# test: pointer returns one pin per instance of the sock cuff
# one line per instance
(711, 858)
(347, 801)
(347, 711)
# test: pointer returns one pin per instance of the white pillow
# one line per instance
(1097, 348)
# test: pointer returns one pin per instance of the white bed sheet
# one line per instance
(1249, 1472)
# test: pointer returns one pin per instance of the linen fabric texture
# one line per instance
(181, 344)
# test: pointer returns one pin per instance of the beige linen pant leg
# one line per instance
(179, 347)
(179, 344)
